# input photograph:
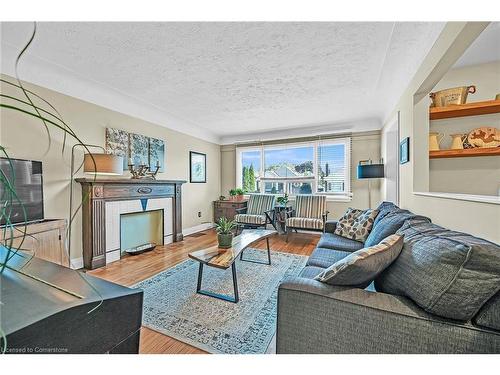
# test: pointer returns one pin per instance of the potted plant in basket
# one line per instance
(224, 228)
(236, 194)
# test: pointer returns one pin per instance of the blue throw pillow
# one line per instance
(362, 266)
(389, 224)
(383, 209)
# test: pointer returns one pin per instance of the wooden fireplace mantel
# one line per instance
(95, 194)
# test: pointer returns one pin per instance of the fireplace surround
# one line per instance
(105, 200)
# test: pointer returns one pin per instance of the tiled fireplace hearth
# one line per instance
(104, 203)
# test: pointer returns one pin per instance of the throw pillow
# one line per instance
(361, 267)
(356, 224)
(389, 224)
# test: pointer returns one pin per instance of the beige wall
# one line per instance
(364, 146)
(481, 219)
(25, 137)
(467, 175)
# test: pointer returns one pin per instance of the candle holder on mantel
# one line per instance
(143, 171)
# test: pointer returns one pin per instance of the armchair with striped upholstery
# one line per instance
(258, 213)
(310, 214)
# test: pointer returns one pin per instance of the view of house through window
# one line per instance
(305, 168)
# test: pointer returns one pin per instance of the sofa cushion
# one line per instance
(333, 241)
(310, 272)
(356, 224)
(389, 224)
(330, 226)
(361, 267)
(447, 273)
(324, 258)
(489, 315)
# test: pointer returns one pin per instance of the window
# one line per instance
(249, 171)
(332, 168)
(303, 168)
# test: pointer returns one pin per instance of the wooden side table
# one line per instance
(280, 217)
(227, 208)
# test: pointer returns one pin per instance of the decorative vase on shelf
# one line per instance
(457, 141)
(453, 96)
(435, 139)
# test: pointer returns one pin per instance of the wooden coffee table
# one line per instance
(225, 258)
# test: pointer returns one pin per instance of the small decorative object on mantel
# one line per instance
(497, 97)
(404, 151)
(197, 167)
(224, 228)
(434, 141)
(453, 96)
(237, 194)
(222, 198)
(484, 137)
(143, 171)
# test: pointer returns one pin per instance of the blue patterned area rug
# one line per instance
(172, 306)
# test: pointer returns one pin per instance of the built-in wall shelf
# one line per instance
(470, 152)
(463, 110)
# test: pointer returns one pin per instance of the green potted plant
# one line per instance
(236, 194)
(282, 200)
(224, 229)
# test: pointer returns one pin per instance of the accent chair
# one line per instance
(310, 214)
(258, 213)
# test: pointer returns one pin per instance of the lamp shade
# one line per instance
(105, 164)
(370, 171)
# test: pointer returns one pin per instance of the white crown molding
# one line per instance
(359, 126)
(44, 73)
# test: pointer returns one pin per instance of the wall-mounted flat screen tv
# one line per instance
(25, 176)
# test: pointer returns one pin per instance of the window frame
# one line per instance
(347, 164)
(313, 179)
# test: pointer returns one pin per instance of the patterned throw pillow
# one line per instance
(356, 224)
(361, 267)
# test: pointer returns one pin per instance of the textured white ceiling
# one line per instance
(230, 80)
(485, 49)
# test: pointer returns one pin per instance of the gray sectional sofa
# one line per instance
(441, 295)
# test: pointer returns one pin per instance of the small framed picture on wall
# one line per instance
(197, 167)
(404, 151)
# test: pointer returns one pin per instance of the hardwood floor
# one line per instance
(132, 269)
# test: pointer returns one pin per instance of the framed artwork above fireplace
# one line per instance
(136, 148)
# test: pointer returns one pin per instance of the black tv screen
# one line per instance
(25, 176)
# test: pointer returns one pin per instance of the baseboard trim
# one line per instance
(197, 228)
(77, 263)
